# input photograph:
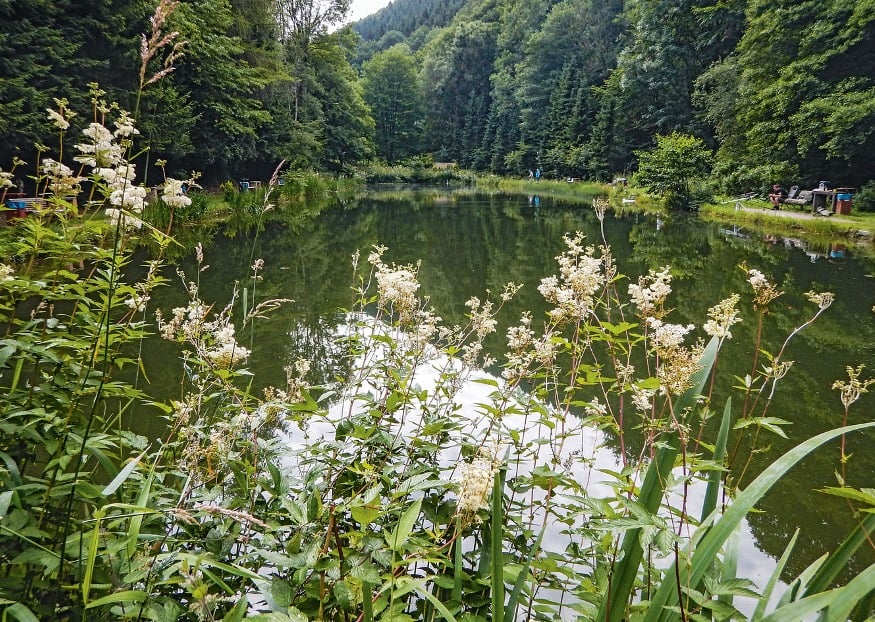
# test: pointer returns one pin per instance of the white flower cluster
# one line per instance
(173, 194)
(397, 287)
(764, 291)
(214, 341)
(475, 480)
(6, 179)
(651, 291)
(137, 301)
(581, 277)
(721, 317)
(643, 399)
(667, 337)
(57, 119)
(61, 180)
(101, 151)
(851, 390)
(7, 272)
(483, 321)
(676, 364)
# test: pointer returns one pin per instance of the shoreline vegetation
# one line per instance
(755, 214)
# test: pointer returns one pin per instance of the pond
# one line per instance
(470, 243)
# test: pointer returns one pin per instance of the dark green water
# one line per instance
(472, 243)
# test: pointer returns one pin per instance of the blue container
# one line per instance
(844, 197)
(16, 203)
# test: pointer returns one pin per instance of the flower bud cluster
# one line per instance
(214, 341)
(721, 317)
(650, 293)
(574, 290)
(475, 479)
(764, 291)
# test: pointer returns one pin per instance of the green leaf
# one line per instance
(766, 597)
(126, 596)
(399, 536)
(124, 474)
(709, 546)
(19, 612)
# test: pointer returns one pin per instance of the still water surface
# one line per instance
(470, 243)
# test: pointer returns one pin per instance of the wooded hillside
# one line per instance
(778, 90)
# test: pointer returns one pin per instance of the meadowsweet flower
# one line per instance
(6, 179)
(7, 273)
(61, 180)
(173, 194)
(822, 299)
(131, 198)
(521, 337)
(137, 302)
(124, 125)
(475, 480)
(600, 206)
(581, 277)
(651, 292)
(376, 256)
(642, 399)
(101, 151)
(851, 390)
(721, 317)
(397, 288)
(676, 364)
(764, 291)
(595, 408)
(666, 337)
(57, 119)
(482, 320)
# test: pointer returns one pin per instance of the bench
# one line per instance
(798, 197)
(23, 205)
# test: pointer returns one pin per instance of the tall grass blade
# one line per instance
(457, 562)
(709, 546)
(712, 492)
(496, 548)
(513, 602)
(838, 560)
(766, 596)
(20, 612)
(836, 605)
(849, 596)
(123, 475)
(93, 543)
(613, 605)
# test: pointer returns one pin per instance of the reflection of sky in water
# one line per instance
(578, 449)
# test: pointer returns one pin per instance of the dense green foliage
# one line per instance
(257, 81)
(780, 91)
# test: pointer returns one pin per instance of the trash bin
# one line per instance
(843, 203)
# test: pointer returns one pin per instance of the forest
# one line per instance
(776, 90)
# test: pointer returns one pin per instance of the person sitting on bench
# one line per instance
(777, 196)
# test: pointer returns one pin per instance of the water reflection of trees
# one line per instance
(470, 243)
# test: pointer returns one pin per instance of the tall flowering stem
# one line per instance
(850, 391)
